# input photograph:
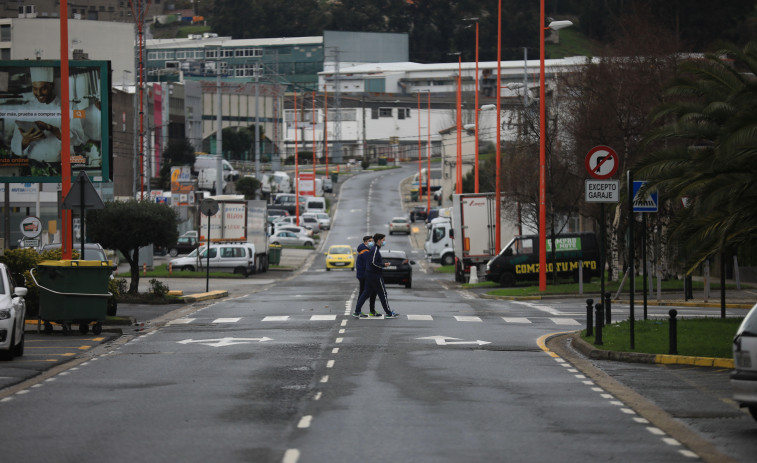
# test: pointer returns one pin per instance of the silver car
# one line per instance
(744, 376)
(287, 237)
(399, 225)
(12, 316)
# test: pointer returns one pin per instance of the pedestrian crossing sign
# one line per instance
(646, 202)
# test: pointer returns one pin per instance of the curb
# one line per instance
(637, 357)
(217, 294)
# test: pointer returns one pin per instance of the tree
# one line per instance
(129, 225)
(609, 102)
(707, 153)
(248, 186)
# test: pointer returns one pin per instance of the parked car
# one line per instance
(234, 258)
(340, 256)
(311, 222)
(399, 270)
(188, 262)
(315, 204)
(274, 214)
(183, 245)
(744, 375)
(324, 220)
(399, 225)
(92, 251)
(328, 185)
(12, 316)
(286, 202)
(306, 232)
(418, 213)
(291, 238)
(190, 233)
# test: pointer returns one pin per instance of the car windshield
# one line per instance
(399, 220)
(341, 250)
(2, 286)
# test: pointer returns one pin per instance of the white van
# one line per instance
(276, 182)
(315, 204)
(234, 258)
(211, 162)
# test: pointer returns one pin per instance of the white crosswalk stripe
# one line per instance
(409, 317)
(564, 321)
(467, 318)
(516, 320)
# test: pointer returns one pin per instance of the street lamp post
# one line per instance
(420, 175)
(553, 25)
(476, 115)
(459, 170)
(428, 154)
(498, 212)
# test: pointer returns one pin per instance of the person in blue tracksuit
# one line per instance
(374, 282)
(362, 257)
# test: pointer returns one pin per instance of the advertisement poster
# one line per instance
(30, 120)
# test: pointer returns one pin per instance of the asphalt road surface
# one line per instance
(284, 374)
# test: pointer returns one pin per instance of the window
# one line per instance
(385, 112)
(5, 33)
(403, 113)
(212, 53)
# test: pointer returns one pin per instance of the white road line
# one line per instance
(688, 453)
(330, 364)
(339, 340)
(322, 317)
(607, 396)
(291, 456)
(181, 321)
(671, 441)
(641, 420)
(317, 395)
(335, 350)
(627, 411)
(540, 307)
(276, 318)
(226, 320)
(655, 431)
(342, 331)
(466, 318)
(305, 421)
(564, 321)
(325, 379)
(516, 320)
(420, 317)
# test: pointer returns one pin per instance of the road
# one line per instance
(282, 373)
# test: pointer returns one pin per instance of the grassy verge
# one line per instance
(701, 337)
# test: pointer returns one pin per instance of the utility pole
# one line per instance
(219, 133)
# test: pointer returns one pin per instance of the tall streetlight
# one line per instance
(553, 25)
(428, 154)
(498, 207)
(477, 108)
(420, 176)
(459, 170)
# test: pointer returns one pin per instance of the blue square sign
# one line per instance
(646, 202)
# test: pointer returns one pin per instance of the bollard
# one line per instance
(599, 316)
(473, 275)
(144, 269)
(170, 268)
(589, 317)
(673, 332)
(608, 309)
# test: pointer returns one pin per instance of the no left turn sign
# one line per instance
(602, 162)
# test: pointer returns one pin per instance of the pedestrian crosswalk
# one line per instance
(409, 317)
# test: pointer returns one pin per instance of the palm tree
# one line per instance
(706, 153)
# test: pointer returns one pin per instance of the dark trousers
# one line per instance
(372, 303)
(374, 285)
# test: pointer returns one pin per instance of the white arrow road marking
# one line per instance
(446, 340)
(223, 342)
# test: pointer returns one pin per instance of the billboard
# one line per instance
(30, 120)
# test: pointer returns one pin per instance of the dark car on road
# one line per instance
(184, 245)
(399, 270)
(418, 213)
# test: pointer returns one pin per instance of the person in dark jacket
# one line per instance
(374, 282)
(362, 257)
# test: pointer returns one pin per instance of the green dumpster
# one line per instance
(335, 177)
(274, 254)
(382, 161)
(73, 291)
(414, 194)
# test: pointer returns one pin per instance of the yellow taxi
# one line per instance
(340, 256)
